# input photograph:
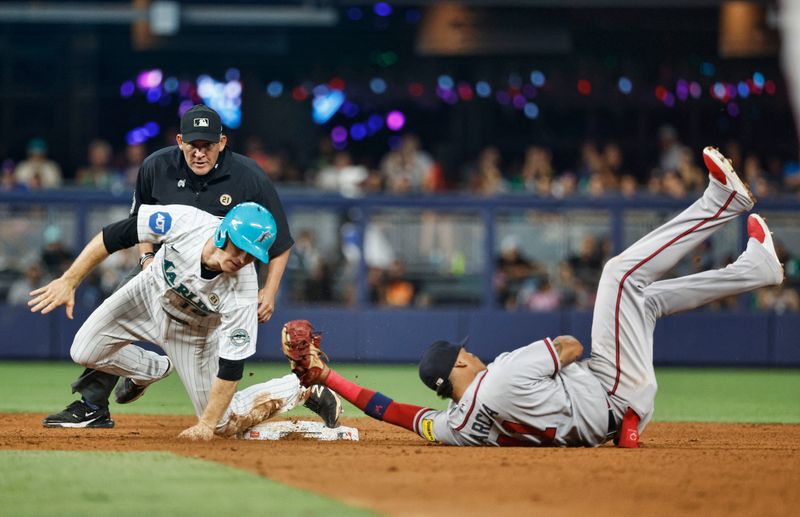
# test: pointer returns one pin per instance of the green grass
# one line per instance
(145, 483)
(702, 395)
(728, 395)
(45, 387)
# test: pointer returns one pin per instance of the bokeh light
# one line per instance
(483, 89)
(275, 89)
(377, 85)
(625, 85)
(382, 9)
(358, 131)
(126, 89)
(695, 90)
(355, 13)
(445, 82)
(232, 74)
(338, 134)
(395, 120)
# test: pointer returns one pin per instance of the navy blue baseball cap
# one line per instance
(436, 364)
(201, 123)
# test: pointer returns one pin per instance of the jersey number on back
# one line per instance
(546, 437)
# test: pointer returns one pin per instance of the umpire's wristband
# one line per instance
(145, 256)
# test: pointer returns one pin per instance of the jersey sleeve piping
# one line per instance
(553, 354)
(474, 399)
(419, 417)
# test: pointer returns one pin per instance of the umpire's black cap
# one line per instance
(436, 364)
(201, 123)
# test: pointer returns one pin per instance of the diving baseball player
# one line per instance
(539, 395)
(198, 301)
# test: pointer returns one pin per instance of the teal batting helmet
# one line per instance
(250, 227)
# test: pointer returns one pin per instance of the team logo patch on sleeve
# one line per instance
(240, 337)
(160, 222)
(427, 429)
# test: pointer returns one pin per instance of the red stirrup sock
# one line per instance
(629, 430)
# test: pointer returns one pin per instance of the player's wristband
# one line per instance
(145, 256)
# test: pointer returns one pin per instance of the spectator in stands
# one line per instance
(672, 185)
(537, 172)
(396, 289)
(487, 177)
(132, 161)
(342, 176)
(98, 172)
(756, 177)
(777, 298)
(512, 270)
(544, 297)
(654, 183)
(590, 164)
(314, 277)
(733, 151)
(254, 149)
(587, 263)
(568, 286)
(20, 291)
(38, 172)
(628, 186)
(694, 178)
(596, 177)
(671, 149)
(373, 184)
(408, 168)
(614, 160)
(565, 186)
(56, 257)
(8, 182)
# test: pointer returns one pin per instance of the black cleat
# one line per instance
(128, 391)
(79, 415)
(326, 404)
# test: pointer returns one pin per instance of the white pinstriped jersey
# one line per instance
(228, 302)
(523, 398)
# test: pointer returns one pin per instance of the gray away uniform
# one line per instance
(526, 398)
(195, 320)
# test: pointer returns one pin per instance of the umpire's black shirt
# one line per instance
(165, 179)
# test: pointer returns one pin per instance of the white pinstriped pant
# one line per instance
(134, 313)
(630, 299)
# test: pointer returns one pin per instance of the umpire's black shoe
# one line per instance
(326, 404)
(78, 415)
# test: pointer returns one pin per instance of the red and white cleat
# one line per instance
(721, 170)
(757, 229)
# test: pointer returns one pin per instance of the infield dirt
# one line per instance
(681, 468)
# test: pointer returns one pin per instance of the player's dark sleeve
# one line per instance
(375, 404)
(120, 235)
(230, 370)
(143, 195)
(268, 197)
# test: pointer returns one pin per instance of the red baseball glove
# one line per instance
(300, 345)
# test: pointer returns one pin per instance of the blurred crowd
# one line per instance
(520, 282)
(408, 168)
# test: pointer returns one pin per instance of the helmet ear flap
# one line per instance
(221, 237)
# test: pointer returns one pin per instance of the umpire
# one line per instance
(200, 171)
